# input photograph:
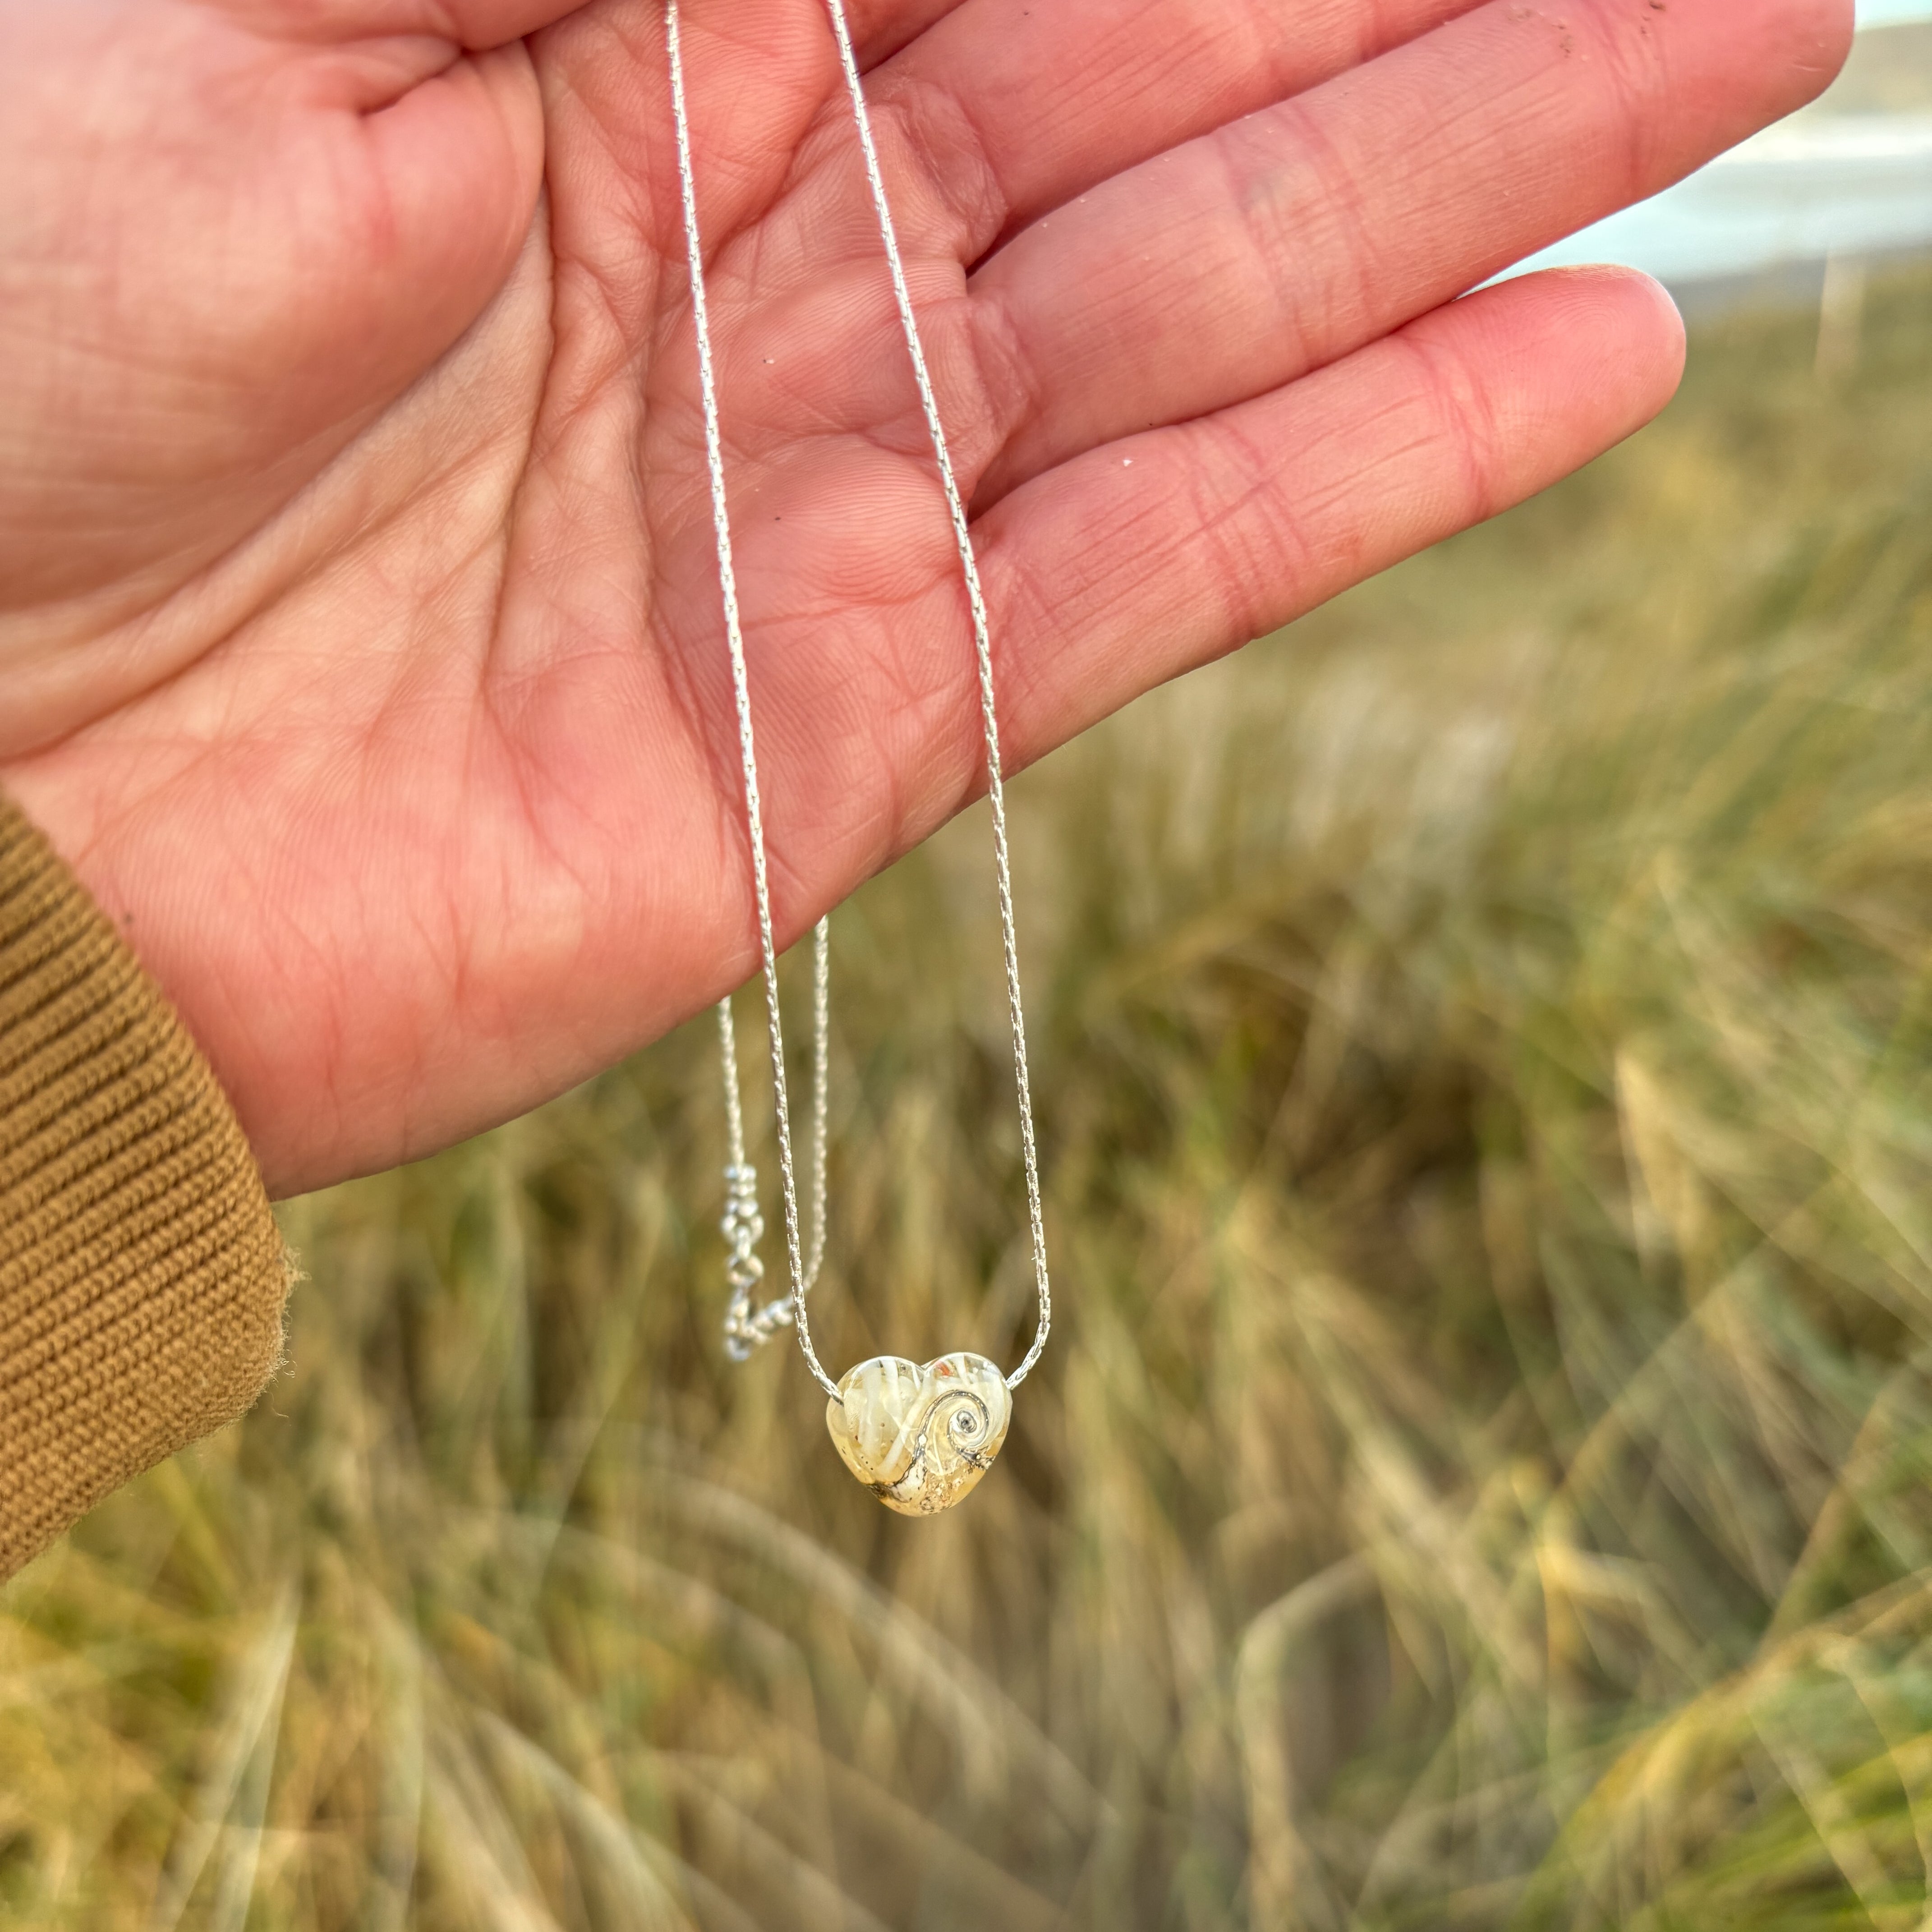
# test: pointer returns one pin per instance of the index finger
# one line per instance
(1057, 97)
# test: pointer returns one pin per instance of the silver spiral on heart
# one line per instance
(965, 1421)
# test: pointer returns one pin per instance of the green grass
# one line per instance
(1481, 1476)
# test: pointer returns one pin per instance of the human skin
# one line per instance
(359, 624)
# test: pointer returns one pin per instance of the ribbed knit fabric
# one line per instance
(141, 1275)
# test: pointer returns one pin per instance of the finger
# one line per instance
(472, 25)
(1237, 263)
(879, 27)
(1051, 99)
(1131, 565)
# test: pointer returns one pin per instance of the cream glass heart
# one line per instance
(918, 1437)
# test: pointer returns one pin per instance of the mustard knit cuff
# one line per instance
(141, 1275)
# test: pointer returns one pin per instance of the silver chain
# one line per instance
(742, 1229)
(747, 1327)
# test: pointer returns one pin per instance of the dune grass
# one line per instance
(1481, 1476)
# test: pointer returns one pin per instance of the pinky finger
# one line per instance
(1134, 563)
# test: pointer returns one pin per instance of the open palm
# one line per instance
(359, 625)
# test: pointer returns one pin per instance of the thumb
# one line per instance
(473, 26)
(253, 223)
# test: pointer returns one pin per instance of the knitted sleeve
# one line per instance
(141, 1275)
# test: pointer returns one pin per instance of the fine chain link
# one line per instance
(742, 1225)
(741, 687)
(983, 651)
(983, 657)
(747, 1328)
(821, 1090)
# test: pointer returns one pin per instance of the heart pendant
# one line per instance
(919, 1438)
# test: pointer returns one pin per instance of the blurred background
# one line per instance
(1481, 1476)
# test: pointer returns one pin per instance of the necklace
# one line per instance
(918, 1436)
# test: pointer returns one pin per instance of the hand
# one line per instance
(359, 625)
